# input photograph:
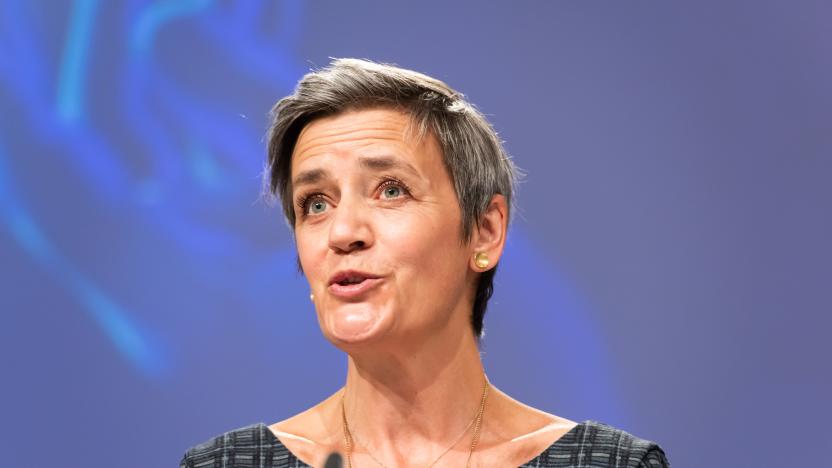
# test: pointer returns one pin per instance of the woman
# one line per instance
(398, 193)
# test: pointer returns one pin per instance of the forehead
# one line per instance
(375, 131)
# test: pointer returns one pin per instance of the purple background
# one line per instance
(668, 271)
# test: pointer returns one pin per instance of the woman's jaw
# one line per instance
(386, 317)
(355, 324)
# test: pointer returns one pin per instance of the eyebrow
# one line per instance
(374, 163)
(310, 177)
(384, 163)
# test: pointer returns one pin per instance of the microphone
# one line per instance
(334, 460)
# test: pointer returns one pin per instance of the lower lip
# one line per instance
(352, 291)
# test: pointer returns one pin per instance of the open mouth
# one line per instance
(348, 277)
(352, 284)
(351, 280)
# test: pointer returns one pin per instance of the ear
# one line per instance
(489, 235)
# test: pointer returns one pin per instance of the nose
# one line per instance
(350, 229)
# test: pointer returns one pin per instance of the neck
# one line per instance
(413, 401)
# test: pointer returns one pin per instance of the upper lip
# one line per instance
(344, 275)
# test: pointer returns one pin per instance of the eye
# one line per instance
(316, 206)
(392, 189)
(312, 204)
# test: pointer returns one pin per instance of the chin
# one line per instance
(354, 324)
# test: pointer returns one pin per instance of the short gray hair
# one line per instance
(472, 152)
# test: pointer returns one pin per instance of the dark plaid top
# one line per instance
(590, 444)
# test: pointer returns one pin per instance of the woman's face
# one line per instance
(378, 229)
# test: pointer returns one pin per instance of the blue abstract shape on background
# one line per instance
(142, 351)
(265, 61)
(101, 163)
(153, 17)
(204, 168)
(71, 89)
(141, 346)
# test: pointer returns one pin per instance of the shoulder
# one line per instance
(249, 446)
(595, 444)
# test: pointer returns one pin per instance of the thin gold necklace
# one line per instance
(349, 439)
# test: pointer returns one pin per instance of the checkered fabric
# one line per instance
(590, 444)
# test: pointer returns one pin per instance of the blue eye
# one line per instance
(392, 191)
(316, 206)
(393, 188)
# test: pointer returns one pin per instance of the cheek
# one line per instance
(311, 250)
(427, 246)
(430, 273)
